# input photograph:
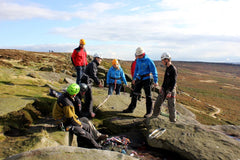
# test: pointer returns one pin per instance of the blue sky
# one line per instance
(191, 30)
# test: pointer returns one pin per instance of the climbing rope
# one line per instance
(105, 100)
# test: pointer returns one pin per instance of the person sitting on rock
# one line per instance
(64, 110)
(115, 76)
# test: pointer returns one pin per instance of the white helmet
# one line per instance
(97, 55)
(139, 51)
(166, 55)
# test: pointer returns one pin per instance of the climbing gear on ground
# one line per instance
(73, 89)
(139, 51)
(118, 143)
(166, 55)
(82, 41)
(157, 133)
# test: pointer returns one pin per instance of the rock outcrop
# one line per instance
(67, 153)
(193, 141)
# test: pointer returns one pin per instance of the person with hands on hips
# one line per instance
(115, 76)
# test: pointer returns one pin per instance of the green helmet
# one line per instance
(73, 89)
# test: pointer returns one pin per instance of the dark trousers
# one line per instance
(146, 85)
(80, 70)
(131, 92)
(88, 107)
(111, 89)
(85, 136)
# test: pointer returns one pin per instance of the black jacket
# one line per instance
(170, 78)
(91, 72)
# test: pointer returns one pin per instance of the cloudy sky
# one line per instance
(191, 30)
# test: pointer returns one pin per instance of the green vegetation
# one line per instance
(212, 85)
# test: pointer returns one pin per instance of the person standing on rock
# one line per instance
(64, 110)
(79, 59)
(168, 89)
(141, 79)
(88, 77)
(133, 65)
(115, 76)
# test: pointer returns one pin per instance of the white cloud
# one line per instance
(135, 9)
(14, 11)
(205, 16)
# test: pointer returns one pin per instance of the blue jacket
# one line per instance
(117, 74)
(145, 66)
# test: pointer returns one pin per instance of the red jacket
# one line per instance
(133, 67)
(79, 57)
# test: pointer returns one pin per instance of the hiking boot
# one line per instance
(173, 121)
(102, 137)
(127, 111)
(154, 116)
(147, 115)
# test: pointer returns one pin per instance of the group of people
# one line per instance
(69, 110)
(144, 69)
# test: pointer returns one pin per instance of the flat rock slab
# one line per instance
(70, 153)
(117, 103)
(10, 104)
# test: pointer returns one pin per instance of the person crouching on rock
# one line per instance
(115, 76)
(64, 110)
(168, 89)
(88, 77)
(78, 112)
